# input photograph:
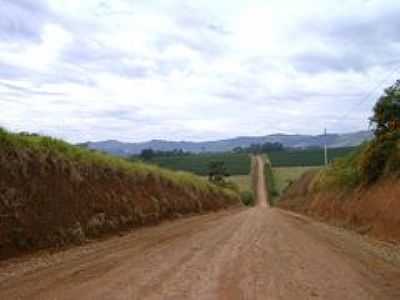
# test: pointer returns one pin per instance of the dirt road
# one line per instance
(262, 196)
(255, 253)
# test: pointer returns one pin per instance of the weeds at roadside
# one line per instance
(247, 198)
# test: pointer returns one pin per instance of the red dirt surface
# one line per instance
(256, 253)
(372, 210)
(48, 201)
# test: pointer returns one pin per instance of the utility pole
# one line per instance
(325, 148)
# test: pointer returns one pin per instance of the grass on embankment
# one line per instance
(245, 187)
(270, 182)
(359, 191)
(43, 144)
(54, 194)
(362, 167)
(280, 179)
(285, 176)
(243, 182)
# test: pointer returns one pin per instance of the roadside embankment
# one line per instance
(367, 209)
(53, 194)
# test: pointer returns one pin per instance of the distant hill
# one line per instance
(289, 141)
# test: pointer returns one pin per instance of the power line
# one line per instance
(369, 94)
(363, 99)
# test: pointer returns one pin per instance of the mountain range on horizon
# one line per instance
(289, 141)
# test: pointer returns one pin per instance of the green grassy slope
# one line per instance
(343, 193)
(42, 144)
(242, 181)
(284, 176)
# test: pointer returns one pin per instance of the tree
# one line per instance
(386, 118)
(147, 154)
(217, 172)
(382, 156)
(264, 148)
(238, 150)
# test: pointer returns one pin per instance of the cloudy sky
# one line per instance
(136, 70)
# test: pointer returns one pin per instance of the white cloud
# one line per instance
(193, 70)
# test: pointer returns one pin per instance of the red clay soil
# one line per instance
(48, 201)
(372, 210)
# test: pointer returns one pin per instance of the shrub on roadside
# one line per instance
(247, 198)
(343, 172)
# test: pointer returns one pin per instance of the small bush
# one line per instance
(247, 198)
(343, 172)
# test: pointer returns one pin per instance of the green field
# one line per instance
(303, 158)
(235, 163)
(284, 176)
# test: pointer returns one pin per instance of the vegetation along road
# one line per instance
(254, 253)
